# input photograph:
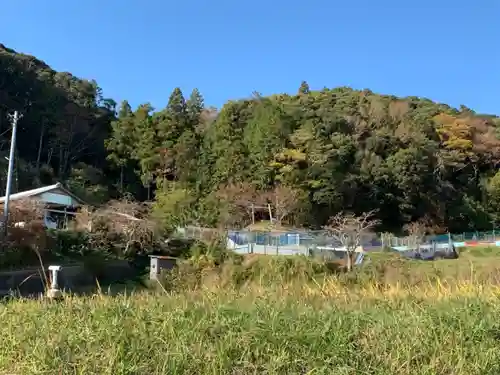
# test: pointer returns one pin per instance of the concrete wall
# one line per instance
(269, 249)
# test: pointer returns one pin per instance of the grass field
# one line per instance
(272, 316)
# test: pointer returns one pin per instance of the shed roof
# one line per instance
(41, 190)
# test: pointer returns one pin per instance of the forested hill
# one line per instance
(310, 155)
(64, 124)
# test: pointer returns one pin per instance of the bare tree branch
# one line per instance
(416, 232)
(125, 218)
(285, 200)
(350, 230)
(239, 197)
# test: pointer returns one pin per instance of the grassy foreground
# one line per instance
(301, 325)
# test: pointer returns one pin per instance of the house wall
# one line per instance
(253, 248)
(58, 198)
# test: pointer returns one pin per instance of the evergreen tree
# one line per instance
(304, 88)
(121, 144)
(170, 123)
(194, 108)
(263, 137)
(146, 146)
(172, 120)
(188, 145)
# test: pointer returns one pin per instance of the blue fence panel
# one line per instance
(261, 239)
(439, 238)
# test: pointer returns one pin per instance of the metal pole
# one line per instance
(15, 118)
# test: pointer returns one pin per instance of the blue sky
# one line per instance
(448, 51)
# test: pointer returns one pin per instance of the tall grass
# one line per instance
(270, 316)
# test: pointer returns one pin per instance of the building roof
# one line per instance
(41, 190)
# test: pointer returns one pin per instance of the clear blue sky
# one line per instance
(448, 51)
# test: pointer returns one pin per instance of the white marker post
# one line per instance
(54, 292)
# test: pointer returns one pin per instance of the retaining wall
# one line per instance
(74, 277)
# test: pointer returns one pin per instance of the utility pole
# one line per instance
(15, 119)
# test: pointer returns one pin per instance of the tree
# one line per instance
(416, 233)
(185, 156)
(239, 199)
(226, 147)
(123, 140)
(170, 124)
(173, 208)
(345, 149)
(125, 219)
(263, 137)
(351, 231)
(87, 182)
(286, 200)
(146, 147)
(25, 226)
(187, 146)
(304, 88)
(194, 109)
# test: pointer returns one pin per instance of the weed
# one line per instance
(270, 315)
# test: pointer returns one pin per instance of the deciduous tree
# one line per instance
(351, 230)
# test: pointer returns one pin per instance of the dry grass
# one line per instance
(295, 320)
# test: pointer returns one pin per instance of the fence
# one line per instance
(305, 242)
(459, 239)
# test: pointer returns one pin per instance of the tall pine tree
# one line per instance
(146, 147)
(170, 123)
(121, 143)
(194, 108)
(187, 148)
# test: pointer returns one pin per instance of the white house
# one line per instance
(60, 203)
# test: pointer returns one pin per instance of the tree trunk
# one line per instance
(349, 261)
(66, 164)
(59, 174)
(66, 156)
(121, 179)
(270, 213)
(49, 156)
(40, 145)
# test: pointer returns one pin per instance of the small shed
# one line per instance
(160, 263)
(60, 203)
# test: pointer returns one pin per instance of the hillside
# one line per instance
(310, 154)
(64, 124)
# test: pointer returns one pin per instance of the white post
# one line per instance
(53, 291)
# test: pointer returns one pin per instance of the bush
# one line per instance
(231, 270)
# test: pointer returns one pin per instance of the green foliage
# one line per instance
(88, 183)
(173, 208)
(65, 120)
(146, 148)
(61, 246)
(348, 150)
(76, 246)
